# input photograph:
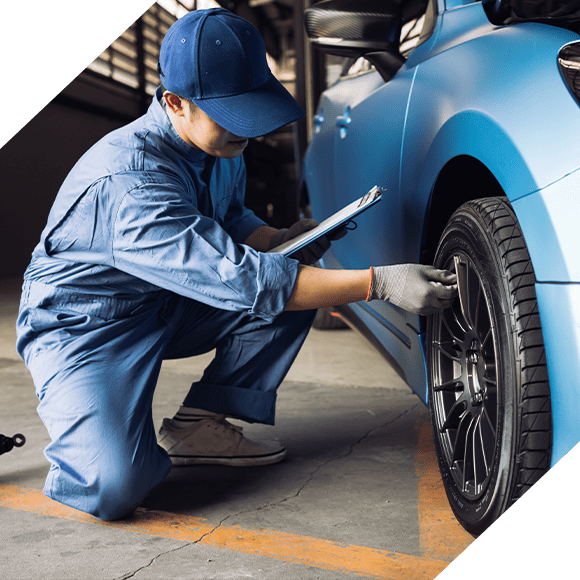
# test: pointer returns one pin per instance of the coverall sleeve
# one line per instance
(162, 238)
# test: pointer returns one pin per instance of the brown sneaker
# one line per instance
(215, 441)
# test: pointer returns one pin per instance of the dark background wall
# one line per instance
(36, 160)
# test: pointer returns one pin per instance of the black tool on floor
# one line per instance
(8, 443)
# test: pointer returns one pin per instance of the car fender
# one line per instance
(468, 134)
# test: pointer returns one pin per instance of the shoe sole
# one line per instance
(257, 460)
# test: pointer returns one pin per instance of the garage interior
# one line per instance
(359, 494)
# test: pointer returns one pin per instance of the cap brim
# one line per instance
(256, 112)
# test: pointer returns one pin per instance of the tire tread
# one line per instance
(534, 453)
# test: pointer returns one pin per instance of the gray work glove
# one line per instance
(413, 287)
(312, 252)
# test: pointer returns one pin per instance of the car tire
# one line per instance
(489, 393)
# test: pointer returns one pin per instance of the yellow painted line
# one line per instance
(441, 535)
(367, 562)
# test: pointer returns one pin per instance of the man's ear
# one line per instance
(175, 103)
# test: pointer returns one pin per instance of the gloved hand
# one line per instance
(416, 288)
(313, 251)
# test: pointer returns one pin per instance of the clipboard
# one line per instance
(334, 222)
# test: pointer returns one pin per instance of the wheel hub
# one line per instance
(473, 372)
(473, 353)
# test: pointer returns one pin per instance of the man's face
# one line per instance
(200, 131)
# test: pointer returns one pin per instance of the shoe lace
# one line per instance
(221, 418)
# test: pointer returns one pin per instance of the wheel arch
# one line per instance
(470, 155)
(463, 178)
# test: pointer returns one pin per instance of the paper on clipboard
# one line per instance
(334, 222)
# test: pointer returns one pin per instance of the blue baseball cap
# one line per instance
(218, 60)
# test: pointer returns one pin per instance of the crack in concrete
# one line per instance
(311, 477)
(349, 452)
(321, 466)
(153, 560)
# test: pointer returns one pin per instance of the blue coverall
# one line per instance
(141, 261)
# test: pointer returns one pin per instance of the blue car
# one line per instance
(468, 114)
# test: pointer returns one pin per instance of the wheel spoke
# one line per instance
(468, 449)
(450, 386)
(482, 446)
(448, 350)
(460, 438)
(490, 380)
(474, 452)
(484, 341)
(462, 273)
(454, 417)
(490, 422)
(453, 325)
(481, 318)
(479, 478)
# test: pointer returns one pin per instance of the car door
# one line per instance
(367, 151)
(368, 134)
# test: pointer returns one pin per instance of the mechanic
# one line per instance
(149, 254)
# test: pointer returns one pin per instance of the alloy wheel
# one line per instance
(465, 381)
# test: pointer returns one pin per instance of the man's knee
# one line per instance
(122, 491)
(118, 496)
(112, 491)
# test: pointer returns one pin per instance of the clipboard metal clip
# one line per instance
(373, 194)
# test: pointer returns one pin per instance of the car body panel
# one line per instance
(559, 306)
(494, 93)
(549, 219)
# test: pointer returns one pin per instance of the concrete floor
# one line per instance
(359, 494)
